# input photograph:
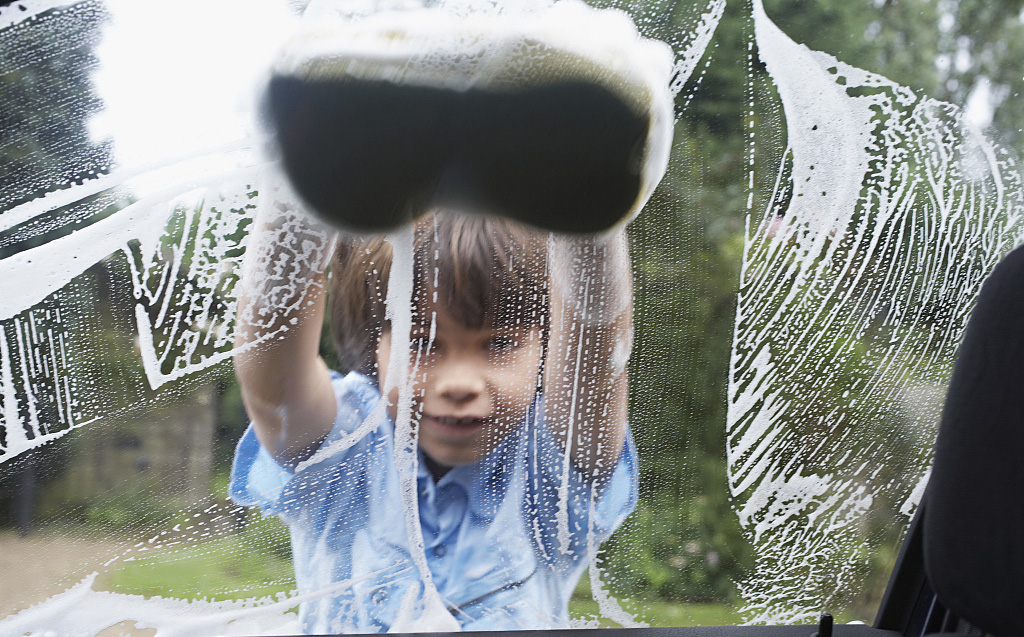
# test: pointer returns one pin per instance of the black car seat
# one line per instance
(962, 566)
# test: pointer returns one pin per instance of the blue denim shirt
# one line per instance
(506, 538)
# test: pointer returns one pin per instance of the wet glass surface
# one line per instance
(801, 275)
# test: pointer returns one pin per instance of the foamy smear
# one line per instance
(500, 52)
(82, 611)
(422, 609)
(183, 252)
(896, 212)
(15, 13)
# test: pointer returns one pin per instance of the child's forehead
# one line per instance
(438, 316)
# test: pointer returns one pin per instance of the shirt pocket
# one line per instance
(378, 596)
(491, 577)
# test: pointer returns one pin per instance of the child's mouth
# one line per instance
(457, 426)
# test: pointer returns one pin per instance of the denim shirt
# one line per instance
(505, 539)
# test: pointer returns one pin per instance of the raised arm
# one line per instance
(285, 384)
(585, 381)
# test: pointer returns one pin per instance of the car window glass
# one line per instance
(841, 181)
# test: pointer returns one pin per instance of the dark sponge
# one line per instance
(371, 155)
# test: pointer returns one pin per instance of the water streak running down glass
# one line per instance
(802, 276)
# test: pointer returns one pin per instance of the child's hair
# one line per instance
(485, 272)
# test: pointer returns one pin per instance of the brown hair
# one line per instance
(483, 271)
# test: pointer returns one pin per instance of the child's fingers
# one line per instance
(591, 277)
(286, 255)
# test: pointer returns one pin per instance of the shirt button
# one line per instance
(379, 596)
(440, 550)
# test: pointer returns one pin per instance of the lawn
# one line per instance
(233, 567)
(222, 569)
(662, 614)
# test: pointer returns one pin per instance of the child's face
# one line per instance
(471, 387)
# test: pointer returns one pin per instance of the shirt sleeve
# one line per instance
(259, 480)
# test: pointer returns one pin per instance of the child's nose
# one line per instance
(460, 386)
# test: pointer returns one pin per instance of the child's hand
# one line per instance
(585, 381)
(286, 256)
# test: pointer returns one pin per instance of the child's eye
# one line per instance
(421, 343)
(503, 344)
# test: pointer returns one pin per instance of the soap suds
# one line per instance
(888, 213)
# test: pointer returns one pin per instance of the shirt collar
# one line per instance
(464, 476)
(486, 481)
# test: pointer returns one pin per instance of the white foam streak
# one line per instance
(172, 173)
(32, 275)
(83, 611)
(430, 613)
(606, 603)
(18, 12)
(696, 46)
(17, 441)
(858, 294)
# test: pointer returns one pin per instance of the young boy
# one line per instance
(516, 396)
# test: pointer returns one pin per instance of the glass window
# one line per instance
(840, 181)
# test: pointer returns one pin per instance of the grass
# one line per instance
(221, 569)
(236, 567)
(657, 613)
(661, 613)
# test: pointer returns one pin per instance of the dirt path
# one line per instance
(45, 564)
